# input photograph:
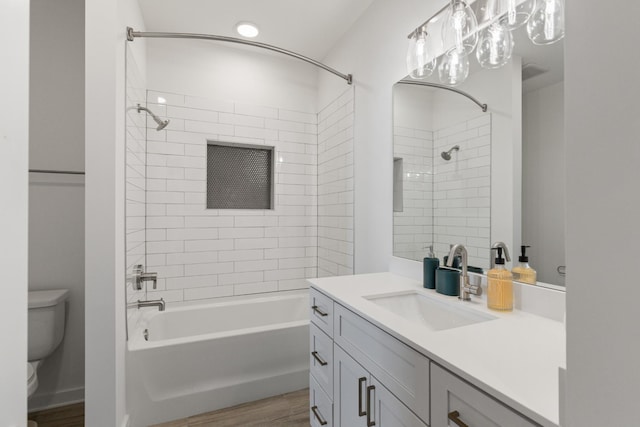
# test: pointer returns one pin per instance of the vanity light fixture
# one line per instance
(420, 63)
(247, 29)
(461, 34)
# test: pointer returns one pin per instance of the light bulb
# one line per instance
(454, 68)
(546, 25)
(419, 63)
(517, 14)
(460, 28)
(495, 46)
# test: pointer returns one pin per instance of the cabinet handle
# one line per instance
(320, 361)
(320, 312)
(362, 380)
(454, 416)
(314, 409)
(370, 422)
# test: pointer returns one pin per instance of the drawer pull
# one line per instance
(370, 422)
(314, 409)
(320, 361)
(320, 312)
(454, 416)
(362, 380)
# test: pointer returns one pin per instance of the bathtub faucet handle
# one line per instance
(140, 277)
(150, 277)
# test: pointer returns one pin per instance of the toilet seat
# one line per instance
(32, 379)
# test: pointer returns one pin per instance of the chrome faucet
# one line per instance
(495, 247)
(465, 288)
(152, 303)
(140, 277)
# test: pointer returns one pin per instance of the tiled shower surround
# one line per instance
(455, 195)
(202, 253)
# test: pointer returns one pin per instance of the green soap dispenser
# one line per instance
(523, 271)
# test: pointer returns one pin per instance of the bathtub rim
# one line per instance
(137, 342)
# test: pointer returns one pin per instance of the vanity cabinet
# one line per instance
(361, 376)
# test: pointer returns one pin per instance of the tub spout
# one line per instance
(152, 303)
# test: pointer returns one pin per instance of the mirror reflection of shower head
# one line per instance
(161, 123)
(447, 154)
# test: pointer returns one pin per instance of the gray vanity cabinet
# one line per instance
(361, 376)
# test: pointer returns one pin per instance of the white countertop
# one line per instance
(515, 357)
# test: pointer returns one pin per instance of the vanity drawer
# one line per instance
(452, 397)
(320, 406)
(321, 311)
(321, 359)
(402, 370)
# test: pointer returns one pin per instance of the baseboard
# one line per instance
(39, 402)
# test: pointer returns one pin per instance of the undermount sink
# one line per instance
(435, 315)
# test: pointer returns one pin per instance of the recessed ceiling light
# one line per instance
(247, 29)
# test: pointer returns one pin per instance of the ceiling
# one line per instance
(308, 27)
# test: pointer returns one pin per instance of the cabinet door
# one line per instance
(350, 387)
(452, 397)
(388, 410)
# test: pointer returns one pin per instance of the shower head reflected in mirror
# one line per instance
(447, 154)
(161, 123)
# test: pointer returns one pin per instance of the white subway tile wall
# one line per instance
(413, 227)
(445, 202)
(335, 186)
(462, 189)
(201, 253)
(135, 173)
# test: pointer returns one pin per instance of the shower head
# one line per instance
(447, 154)
(161, 123)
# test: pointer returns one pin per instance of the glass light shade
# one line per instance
(517, 14)
(454, 68)
(546, 25)
(419, 63)
(495, 46)
(460, 28)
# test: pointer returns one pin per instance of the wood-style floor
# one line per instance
(287, 410)
(64, 416)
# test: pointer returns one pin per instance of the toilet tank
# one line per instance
(46, 322)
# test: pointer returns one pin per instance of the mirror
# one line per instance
(462, 175)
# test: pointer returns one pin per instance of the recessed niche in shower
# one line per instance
(239, 176)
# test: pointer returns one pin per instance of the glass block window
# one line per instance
(239, 176)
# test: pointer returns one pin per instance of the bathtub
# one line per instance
(193, 359)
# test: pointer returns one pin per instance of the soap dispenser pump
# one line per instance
(499, 285)
(523, 271)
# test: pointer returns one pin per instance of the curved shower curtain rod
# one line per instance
(131, 34)
(484, 107)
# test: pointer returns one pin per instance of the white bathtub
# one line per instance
(206, 357)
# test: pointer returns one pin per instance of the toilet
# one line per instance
(46, 329)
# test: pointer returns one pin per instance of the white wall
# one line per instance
(385, 26)
(105, 20)
(543, 180)
(14, 157)
(56, 214)
(603, 207)
(374, 52)
(230, 73)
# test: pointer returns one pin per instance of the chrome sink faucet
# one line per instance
(505, 250)
(466, 290)
(152, 303)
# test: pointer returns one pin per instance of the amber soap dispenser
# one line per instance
(499, 286)
(523, 271)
